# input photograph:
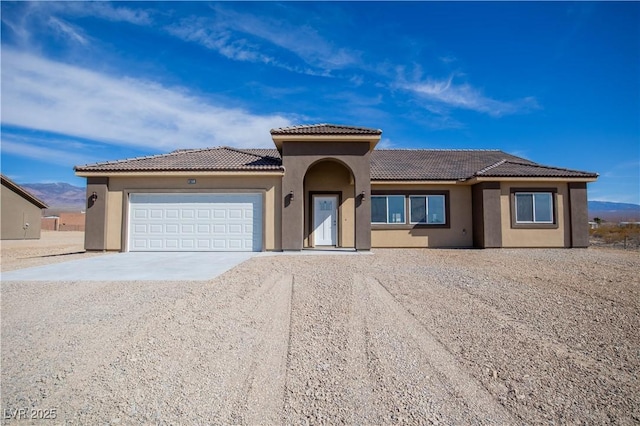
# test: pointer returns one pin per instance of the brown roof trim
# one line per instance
(23, 192)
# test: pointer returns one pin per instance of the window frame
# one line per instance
(426, 198)
(407, 224)
(386, 196)
(553, 224)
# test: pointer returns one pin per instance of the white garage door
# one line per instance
(195, 222)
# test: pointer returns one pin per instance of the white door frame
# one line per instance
(333, 217)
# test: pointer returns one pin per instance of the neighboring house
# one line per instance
(326, 186)
(67, 221)
(49, 223)
(21, 212)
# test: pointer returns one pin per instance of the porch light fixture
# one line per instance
(290, 195)
(94, 197)
(362, 196)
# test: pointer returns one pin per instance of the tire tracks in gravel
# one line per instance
(263, 400)
(408, 374)
(213, 352)
(561, 350)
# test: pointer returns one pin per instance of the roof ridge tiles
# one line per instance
(144, 157)
(230, 148)
(544, 166)
(367, 130)
(492, 166)
(149, 157)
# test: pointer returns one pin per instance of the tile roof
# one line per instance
(22, 192)
(325, 129)
(208, 159)
(433, 164)
(507, 168)
(386, 164)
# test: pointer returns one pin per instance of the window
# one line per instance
(534, 207)
(427, 209)
(387, 209)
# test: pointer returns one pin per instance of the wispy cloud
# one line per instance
(37, 149)
(45, 95)
(385, 143)
(103, 10)
(119, 13)
(245, 37)
(26, 19)
(67, 30)
(445, 93)
(302, 40)
(210, 34)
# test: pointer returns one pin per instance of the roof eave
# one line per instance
(532, 178)
(168, 173)
(416, 182)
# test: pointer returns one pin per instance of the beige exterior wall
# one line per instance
(559, 236)
(459, 234)
(331, 177)
(15, 213)
(120, 187)
(115, 221)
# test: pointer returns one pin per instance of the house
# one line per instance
(66, 221)
(327, 186)
(21, 212)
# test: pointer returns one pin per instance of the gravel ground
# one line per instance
(52, 247)
(399, 336)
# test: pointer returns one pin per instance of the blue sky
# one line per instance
(557, 83)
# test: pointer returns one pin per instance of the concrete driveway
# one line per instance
(192, 266)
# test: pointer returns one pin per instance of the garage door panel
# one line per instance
(186, 243)
(235, 228)
(235, 213)
(188, 229)
(156, 243)
(195, 222)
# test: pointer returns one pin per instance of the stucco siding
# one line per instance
(120, 187)
(459, 232)
(557, 236)
(114, 221)
(16, 212)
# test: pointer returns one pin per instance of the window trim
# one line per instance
(534, 225)
(407, 225)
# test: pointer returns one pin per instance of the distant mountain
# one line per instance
(59, 196)
(614, 212)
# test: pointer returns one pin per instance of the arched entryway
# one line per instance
(329, 205)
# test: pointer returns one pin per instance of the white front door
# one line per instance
(325, 216)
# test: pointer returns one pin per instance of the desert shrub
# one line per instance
(626, 235)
